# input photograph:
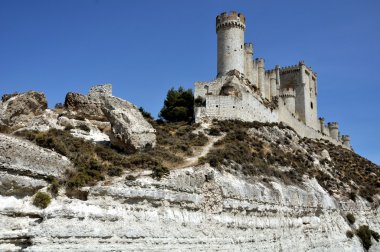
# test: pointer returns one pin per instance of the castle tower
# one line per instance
(322, 124)
(273, 83)
(248, 67)
(346, 141)
(230, 29)
(261, 76)
(288, 95)
(334, 130)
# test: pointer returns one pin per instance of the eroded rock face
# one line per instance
(24, 166)
(129, 127)
(81, 106)
(17, 110)
(187, 211)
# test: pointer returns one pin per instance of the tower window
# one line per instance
(311, 105)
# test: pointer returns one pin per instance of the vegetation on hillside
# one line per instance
(41, 200)
(256, 156)
(93, 162)
(178, 105)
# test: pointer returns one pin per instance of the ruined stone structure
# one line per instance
(245, 90)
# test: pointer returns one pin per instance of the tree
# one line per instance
(178, 105)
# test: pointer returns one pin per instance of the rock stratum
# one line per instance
(194, 188)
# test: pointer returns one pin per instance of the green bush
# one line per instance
(214, 131)
(349, 234)
(41, 200)
(351, 218)
(54, 185)
(365, 234)
(145, 113)
(178, 105)
(84, 127)
(130, 177)
(159, 172)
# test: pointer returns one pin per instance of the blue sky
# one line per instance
(145, 47)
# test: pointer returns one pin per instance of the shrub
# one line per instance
(145, 113)
(375, 235)
(349, 234)
(84, 127)
(178, 105)
(59, 105)
(365, 234)
(214, 131)
(130, 178)
(54, 185)
(351, 218)
(76, 194)
(41, 200)
(352, 196)
(159, 172)
(115, 171)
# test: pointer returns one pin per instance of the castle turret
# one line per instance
(273, 83)
(322, 124)
(346, 141)
(288, 95)
(230, 29)
(248, 67)
(334, 130)
(261, 76)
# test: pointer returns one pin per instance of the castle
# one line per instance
(244, 90)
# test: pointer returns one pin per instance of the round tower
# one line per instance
(346, 141)
(288, 95)
(261, 76)
(248, 67)
(334, 130)
(322, 124)
(230, 29)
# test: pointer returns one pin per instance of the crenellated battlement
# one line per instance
(231, 20)
(260, 62)
(346, 138)
(288, 92)
(248, 48)
(333, 125)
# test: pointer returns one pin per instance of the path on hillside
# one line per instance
(190, 161)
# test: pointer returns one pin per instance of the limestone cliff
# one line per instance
(231, 186)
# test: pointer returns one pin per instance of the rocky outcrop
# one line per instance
(19, 109)
(24, 167)
(188, 210)
(129, 127)
(80, 106)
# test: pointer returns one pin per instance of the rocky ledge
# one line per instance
(194, 208)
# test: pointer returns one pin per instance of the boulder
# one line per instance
(80, 106)
(22, 157)
(130, 130)
(26, 167)
(17, 110)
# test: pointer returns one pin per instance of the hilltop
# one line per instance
(95, 174)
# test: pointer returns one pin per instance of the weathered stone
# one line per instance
(43, 122)
(81, 106)
(17, 110)
(183, 212)
(130, 130)
(22, 157)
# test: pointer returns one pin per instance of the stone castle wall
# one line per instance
(245, 91)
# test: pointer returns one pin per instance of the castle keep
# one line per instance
(245, 90)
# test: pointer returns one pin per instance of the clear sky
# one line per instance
(145, 47)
